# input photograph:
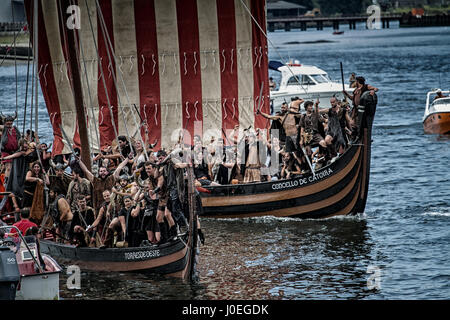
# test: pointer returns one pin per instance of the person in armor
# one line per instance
(147, 203)
(118, 222)
(78, 186)
(338, 120)
(83, 218)
(103, 216)
(309, 127)
(104, 181)
(158, 185)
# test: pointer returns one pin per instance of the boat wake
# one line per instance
(442, 212)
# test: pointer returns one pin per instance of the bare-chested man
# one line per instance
(60, 212)
(289, 123)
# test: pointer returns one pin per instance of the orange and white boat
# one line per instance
(436, 119)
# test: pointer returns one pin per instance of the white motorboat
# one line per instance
(436, 118)
(25, 273)
(305, 82)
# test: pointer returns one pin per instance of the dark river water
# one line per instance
(398, 249)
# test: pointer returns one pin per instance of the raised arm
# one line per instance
(122, 165)
(88, 174)
(372, 88)
(268, 116)
(14, 155)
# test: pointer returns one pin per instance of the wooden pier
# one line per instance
(319, 23)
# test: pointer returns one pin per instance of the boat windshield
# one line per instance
(308, 80)
(441, 101)
(320, 78)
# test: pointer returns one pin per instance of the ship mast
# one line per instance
(78, 97)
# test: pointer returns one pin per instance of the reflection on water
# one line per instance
(296, 259)
(257, 258)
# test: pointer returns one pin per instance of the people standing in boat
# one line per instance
(361, 87)
(158, 186)
(338, 121)
(310, 135)
(118, 222)
(78, 186)
(83, 218)
(289, 123)
(173, 171)
(59, 181)
(60, 212)
(272, 84)
(45, 156)
(148, 204)
(275, 156)
(103, 217)
(276, 128)
(9, 142)
(352, 80)
(20, 165)
(35, 180)
(104, 181)
(439, 95)
(253, 161)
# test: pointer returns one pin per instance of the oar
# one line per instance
(342, 78)
(309, 162)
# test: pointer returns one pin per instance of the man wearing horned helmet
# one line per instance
(9, 142)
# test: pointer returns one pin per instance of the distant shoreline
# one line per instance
(309, 42)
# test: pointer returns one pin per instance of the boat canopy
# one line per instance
(275, 65)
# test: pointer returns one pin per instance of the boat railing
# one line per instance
(26, 245)
(429, 105)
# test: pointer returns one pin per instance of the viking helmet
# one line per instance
(9, 118)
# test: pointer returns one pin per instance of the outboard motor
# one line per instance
(9, 274)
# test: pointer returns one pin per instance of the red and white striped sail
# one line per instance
(186, 64)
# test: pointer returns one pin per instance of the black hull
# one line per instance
(170, 258)
(338, 189)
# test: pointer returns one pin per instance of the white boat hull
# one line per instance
(38, 287)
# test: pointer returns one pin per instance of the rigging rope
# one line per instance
(273, 46)
(89, 94)
(102, 76)
(105, 31)
(26, 87)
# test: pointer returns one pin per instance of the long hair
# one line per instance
(41, 170)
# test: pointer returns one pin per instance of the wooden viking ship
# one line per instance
(339, 188)
(177, 258)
